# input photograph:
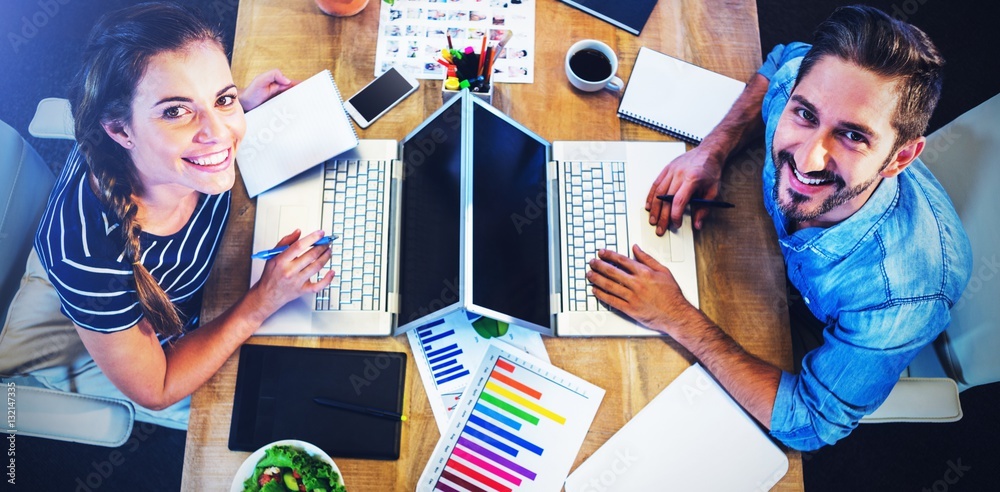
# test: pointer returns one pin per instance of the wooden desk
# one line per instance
(741, 273)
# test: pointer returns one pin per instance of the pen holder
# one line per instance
(487, 96)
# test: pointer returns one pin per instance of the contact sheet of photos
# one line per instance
(413, 32)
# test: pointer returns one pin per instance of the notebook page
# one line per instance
(294, 131)
(677, 97)
(692, 436)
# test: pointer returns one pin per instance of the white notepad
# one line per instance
(692, 436)
(294, 131)
(676, 97)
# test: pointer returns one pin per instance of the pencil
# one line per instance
(375, 412)
(699, 202)
(482, 57)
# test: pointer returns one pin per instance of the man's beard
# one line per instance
(792, 211)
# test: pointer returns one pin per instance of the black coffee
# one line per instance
(590, 65)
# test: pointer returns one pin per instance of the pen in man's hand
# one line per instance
(271, 253)
(699, 202)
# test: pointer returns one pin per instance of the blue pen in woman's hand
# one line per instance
(271, 253)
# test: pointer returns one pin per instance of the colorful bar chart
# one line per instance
(518, 426)
(447, 350)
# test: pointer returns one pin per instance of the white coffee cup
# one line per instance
(590, 69)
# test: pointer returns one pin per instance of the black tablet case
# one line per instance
(275, 387)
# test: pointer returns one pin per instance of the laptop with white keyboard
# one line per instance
(480, 215)
(382, 221)
(603, 192)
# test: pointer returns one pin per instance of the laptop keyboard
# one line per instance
(353, 200)
(595, 218)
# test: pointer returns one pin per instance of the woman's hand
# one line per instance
(264, 87)
(289, 275)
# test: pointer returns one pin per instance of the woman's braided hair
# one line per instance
(115, 59)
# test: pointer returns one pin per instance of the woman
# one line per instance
(137, 215)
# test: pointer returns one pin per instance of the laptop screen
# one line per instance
(510, 247)
(430, 212)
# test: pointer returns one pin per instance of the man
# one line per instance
(869, 237)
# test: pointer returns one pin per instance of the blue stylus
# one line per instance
(271, 253)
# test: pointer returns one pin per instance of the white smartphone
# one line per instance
(380, 95)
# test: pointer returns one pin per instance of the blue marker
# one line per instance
(271, 253)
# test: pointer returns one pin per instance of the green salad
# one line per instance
(284, 468)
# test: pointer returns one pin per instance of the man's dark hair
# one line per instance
(872, 40)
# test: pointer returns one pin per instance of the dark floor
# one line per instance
(41, 50)
(151, 460)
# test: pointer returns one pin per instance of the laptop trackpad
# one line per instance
(293, 217)
(658, 246)
(640, 175)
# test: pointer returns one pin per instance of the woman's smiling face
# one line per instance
(186, 122)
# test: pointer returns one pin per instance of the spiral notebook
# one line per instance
(676, 97)
(294, 131)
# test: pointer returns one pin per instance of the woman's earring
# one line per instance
(128, 144)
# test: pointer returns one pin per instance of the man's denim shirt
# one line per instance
(882, 280)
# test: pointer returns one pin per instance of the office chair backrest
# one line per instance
(24, 189)
(965, 157)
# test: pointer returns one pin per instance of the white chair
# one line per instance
(24, 191)
(965, 157)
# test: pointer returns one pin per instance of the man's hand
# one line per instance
(263, 87)
(642, 288)
(694, 174)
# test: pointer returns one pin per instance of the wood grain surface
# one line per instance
(741, 274)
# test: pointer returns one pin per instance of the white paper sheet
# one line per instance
(692, 436)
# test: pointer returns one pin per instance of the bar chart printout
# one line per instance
(447, 350)
(518, 426)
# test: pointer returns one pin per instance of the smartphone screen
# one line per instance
(380, 94)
